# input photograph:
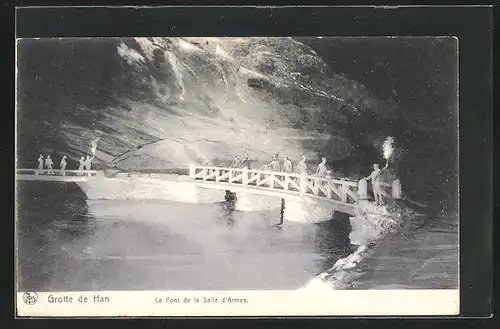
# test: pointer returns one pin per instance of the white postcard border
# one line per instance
(240, 303)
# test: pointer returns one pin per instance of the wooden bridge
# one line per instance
(308, 198)
(337, 190)
(340, 191)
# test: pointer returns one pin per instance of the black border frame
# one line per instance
(472, 25)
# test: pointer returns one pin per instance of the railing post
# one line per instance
(244, 180)
(329, 190)
(396, 189)
(192, 171)
(343, 191)
(286, 182)
(303, 183)
(270, 182)
(362, 190)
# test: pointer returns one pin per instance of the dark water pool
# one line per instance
(66, 243)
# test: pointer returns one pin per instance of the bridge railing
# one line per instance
(340, 190)
(56, 172)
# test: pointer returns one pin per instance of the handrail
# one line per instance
(56, 170)
(280, 173)
(52, 172)
(337, 189)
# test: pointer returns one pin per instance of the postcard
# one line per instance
(237, 176)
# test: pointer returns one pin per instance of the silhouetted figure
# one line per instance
(274, 165)
(49, 164)
(287, 165)
(301, 166)
(229, 206)
(321, 170)
(82, 163)
(63, 164)
(88, 163)
(236, 163)
(375, 177)
(230, 196)
(246, 162)
(40, 165)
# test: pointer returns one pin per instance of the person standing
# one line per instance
(274, 164)
(63, 164)
(321, 170)
(40, 165)
(236, 163)
(246, 162)
(301, 166)
(49, 164)
(375, 177)
(88, 163)
(82, 163)
(287, 165)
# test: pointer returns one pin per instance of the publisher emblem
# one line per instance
(30, 297)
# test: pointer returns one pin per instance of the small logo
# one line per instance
(30, 297)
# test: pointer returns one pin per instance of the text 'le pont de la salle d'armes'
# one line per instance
(203, 300)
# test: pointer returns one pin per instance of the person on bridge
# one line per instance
(82, 163)
(301, 166)
(287, 165)
(321, 170)
(63, 164)
(88, 163)
(236, 163)
(49, 164)
(40, 164)
(274, 165)
(246, 162)
(375, 177)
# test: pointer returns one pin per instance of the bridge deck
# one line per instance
(55, 175)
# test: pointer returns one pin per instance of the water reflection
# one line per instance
(228, 207)
(66, 243)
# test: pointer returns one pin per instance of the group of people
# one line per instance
(239, 163)
(300, 168)
(322, 170)
(47, 163)
(285, 165)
